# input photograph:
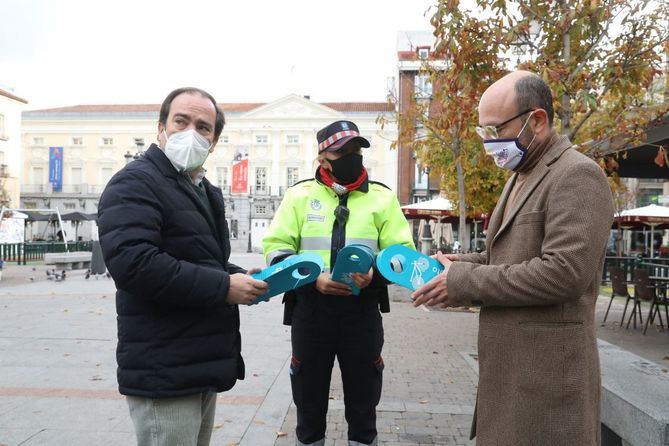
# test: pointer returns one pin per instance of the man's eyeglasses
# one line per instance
(492, 131)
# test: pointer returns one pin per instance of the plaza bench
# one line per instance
(635, 399)
(69, 260)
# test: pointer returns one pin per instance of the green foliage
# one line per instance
(441, 130)
(600, 57)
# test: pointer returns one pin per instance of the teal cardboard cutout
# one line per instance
(406, 267)
(353, 258)
(289, 274)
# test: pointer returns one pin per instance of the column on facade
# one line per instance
(275, 164)
(311, 149)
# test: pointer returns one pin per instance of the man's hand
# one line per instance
(244, 289)
(451, 257)
(326, 285)
(435, 292)
(362, 280)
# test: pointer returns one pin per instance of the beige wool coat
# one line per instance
(537, 283)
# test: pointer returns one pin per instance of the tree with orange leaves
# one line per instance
(602, 59)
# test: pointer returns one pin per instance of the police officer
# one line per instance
(340, 206)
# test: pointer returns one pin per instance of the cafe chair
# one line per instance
(619, 288)
(648, 291)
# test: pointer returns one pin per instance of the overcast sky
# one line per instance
(67, 52)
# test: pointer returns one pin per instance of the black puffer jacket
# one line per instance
(177, 335)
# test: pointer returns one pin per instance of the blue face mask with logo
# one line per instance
(508, 153)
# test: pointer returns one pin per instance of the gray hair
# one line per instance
(532, 92)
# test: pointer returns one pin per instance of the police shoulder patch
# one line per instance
(315, 204)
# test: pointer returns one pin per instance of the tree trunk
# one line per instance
(462, 223)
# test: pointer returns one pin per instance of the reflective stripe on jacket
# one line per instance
(305, 219)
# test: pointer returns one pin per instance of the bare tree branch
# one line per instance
(587, 56)
(536, 15)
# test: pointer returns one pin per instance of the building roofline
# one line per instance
(148, 110)
(12, 96)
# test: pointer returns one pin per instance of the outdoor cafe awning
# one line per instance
(52, 217)
(639, 162)
(651, 216)
(78, 216)
(40, 216)
(438, 209)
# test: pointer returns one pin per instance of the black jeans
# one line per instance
(350, 328)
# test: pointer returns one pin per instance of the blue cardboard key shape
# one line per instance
(353, 258)
(406, 267)
(289, 274)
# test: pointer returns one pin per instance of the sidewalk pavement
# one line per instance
(58, 369)
(653, 346)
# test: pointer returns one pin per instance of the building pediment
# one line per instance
(293, 107)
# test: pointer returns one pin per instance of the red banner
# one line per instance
(240, 177)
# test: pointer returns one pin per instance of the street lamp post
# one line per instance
(139, 151)
(249, 248)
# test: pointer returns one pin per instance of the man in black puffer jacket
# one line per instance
(166, 243)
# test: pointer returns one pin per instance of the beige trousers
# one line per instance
(180, 421)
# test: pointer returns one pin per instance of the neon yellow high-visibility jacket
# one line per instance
(305, 222)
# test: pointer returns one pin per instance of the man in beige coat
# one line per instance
(537, 281)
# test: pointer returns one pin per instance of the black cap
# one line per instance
(335, 135)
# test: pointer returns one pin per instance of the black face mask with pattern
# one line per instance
(348, 168)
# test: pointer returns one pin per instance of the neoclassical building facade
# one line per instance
(11, 107)
(278, 140)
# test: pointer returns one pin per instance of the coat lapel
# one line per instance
(499, 223)
(498, 213)
(157, 156)
(183, 183)
(535, 177)
(218, 207)
(533, 180)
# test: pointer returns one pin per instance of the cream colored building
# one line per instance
(279, 138)
(11, 107)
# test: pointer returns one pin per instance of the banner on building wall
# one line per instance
(240, 177)
(56, 168)
(240, 171)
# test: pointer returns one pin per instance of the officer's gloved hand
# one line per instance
(326, 285)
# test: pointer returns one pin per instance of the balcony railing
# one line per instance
(36, 188)
(260, 190)
(72, 188)
(267, 191)
(77, 189)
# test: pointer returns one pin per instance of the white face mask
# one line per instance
(508, 153)
(187, 150)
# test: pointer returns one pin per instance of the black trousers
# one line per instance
(350, 328)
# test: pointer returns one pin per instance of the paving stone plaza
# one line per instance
(58, 369)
